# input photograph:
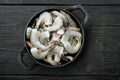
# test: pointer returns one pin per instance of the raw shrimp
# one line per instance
(68, 58)
(65, 40)
(50, 59)
(45, 18)
(55, 37)
(56, 13)
(39, 54)
(56, 25)
(70, 20)
(28, 33)
(35, 41)
(44, 37)
(61, 31)
(58, 53)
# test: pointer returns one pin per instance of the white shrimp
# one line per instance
(56, 25)
(56, 13)
(44, 37)
(65, 40)
(70, 20)
(61, 31)
(51, 60)
(35, 41)
(58, 53)
(55, 37)
(45, 18)
(39, 54)
(28, 32)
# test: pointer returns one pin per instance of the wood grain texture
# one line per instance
(60, 2)
(61, 78)
(100, 52)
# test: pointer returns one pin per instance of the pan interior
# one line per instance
(31, 24)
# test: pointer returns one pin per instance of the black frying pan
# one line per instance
(80, 23)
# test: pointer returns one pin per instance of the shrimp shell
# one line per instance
(56, 25)
(65, 40)
(28, 33)
(45, 18)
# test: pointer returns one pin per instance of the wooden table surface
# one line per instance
(101, 52)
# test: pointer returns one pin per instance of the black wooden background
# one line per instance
(101, 53)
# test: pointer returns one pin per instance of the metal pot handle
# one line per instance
(82, 9)
(21, 61)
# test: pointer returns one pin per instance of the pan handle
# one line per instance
(82, 9)
(22, 62)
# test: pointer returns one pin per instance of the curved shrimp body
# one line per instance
(56, 13)
(61, 31)
(45, 18)
(44, 37)
(28, 33)
(56, 25)
(51, 60)
(58, 53)
(39, 54)
(65, 40)
(70, 21)
(55, 37)
(35, 41)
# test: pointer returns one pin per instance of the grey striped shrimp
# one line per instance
(38, 53)
(70, 20)
(58, 22)
(44, 18)
(28, 32)
(56, 13)
(35, 41)
(65, 40)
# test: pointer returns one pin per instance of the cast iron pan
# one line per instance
(80, 23)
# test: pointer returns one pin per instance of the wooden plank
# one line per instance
(102, 41)
(107, 2)
(61, 78)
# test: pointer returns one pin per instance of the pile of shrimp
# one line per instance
(54, 38)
